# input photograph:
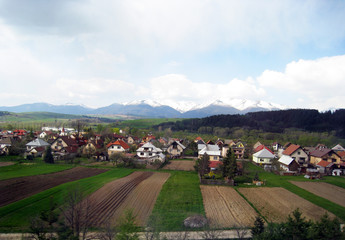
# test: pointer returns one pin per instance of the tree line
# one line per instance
(268, 121)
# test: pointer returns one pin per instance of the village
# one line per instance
(66, 145)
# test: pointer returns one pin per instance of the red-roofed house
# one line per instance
(117, 146)
(260, 147)
(325, 167)
(215, 165)
(297, 153)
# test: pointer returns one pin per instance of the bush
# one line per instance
(243, 179)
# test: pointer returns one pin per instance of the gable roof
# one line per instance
(178, 143)
(264, 153)
(324, 163)
(261, 147)
(291, 149)
(338, 147)
(286, 160)
(210, 150)
(118, 142)
(37, 142)
(150, 146)
(320, 152)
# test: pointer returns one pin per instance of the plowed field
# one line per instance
(137, 191)
(277, 203)
(16, 189)
(325, 190)
(143, 198)
(226, 208)
(183, 165)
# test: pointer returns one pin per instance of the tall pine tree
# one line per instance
(48, 156)
(229, 165)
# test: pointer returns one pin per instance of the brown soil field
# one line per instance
(331, 192)
(226, 208)
(277, 203)
(16, 189)
(105, 201)
(3, 164)
(142, 199)
(183, 165)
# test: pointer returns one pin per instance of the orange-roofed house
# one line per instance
(117, 146)
(325, 167)
(297, 153)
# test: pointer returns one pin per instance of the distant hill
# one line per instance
(269, 121)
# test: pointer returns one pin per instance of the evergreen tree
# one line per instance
(48, 156)
(229, 165)
(258, 226)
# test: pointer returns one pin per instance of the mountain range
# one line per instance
(154, 109)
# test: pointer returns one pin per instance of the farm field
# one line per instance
(184, 165)
(226, 208)
(30, 169)
(275, 204)
(325, 190)
(105, 201)
(143, 198)
(15, 189)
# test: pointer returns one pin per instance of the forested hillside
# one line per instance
(270, 121)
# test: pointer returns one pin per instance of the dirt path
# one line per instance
(3, 164)
(16, 189)
(331, 192)
(226, 208)
(277, 203)
(184, 165)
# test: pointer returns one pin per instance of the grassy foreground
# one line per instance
(179, 198)
(25, 169)
(16, 216)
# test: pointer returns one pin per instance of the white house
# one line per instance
(117, 146)
(36, 143)
(150, 153)
(176, 149)
(211, 150)
(287, 163)
(263, 157)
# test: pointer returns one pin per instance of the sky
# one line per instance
(100, 52)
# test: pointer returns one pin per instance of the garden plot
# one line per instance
(325, 190)
(184, 165)
(226, 208)
(15, 189)
(275, 204)
(137, 191)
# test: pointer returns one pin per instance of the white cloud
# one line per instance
(321, 81)
(179, 88)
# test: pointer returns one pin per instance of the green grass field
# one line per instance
(16, 216)
(28, 169)
(179, 198)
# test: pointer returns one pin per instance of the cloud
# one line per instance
(320, 81)
(179, 88)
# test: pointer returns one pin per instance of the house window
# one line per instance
(299, 153)
(150, 154)
(118, 147)
(261, 160)
(142, 153)
(334, 160)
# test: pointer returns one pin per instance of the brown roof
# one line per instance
(291, 149)
(321, 152)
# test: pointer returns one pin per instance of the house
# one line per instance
(297, 153)
(225, 150)
(261, 147)
(148, 138)
(276, 146)
(212, 151)
(175, 149)
(133, 140)
(263, 156)
(199, 140)
(257, 144)
(93, 147)
(5, 144)
(325, 154)
(214, 165)
(65, 153)
(36, 151)
(288, 164)
(325, 167)
(149, 153)
(238, 149)
(117, 146)
(36, 143)
(338, 148)
(63, 142)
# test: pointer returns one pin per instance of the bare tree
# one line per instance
(77, 213)
(211, 233)
(242, 232)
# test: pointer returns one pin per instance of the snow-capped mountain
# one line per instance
(156, 109)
